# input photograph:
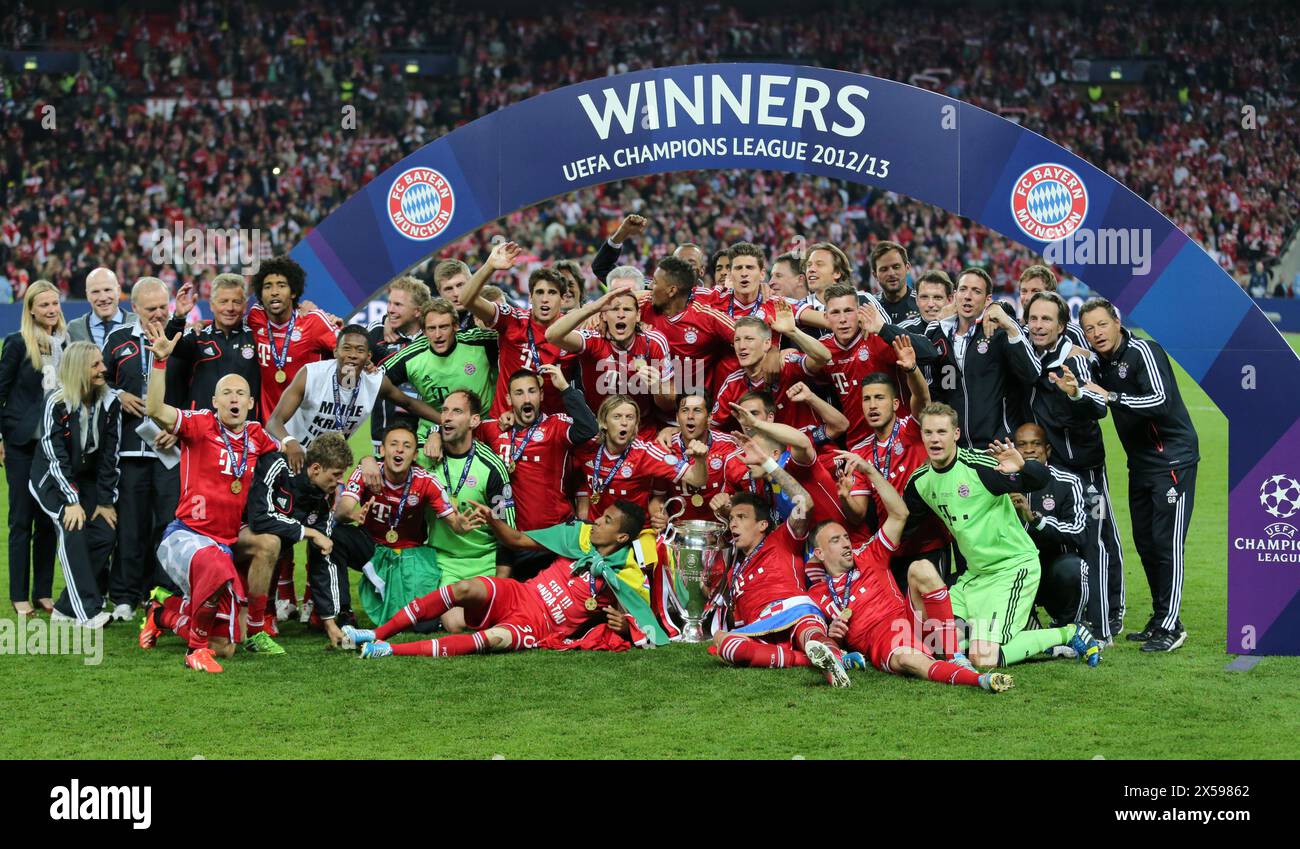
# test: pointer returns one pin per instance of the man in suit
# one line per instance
(105, 294)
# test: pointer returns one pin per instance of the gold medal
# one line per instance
(391, 536)
(595, 499)
(235, 487)
(637, 364)
(697, 500)
(511, 468)
(847, 614)
(590, 603)
(280, 376)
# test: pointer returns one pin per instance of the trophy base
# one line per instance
(693, 632)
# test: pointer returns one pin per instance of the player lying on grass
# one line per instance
(579, 593)
(970, 491)
(869, 614)
(763, 616)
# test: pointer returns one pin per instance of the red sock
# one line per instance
(284, 586)
(811, 629)
(427, 607)
(744, 651)
(943, 672)
(201, 623)
(450, 646)
(939, 620)
(170, 614)
(256, 614)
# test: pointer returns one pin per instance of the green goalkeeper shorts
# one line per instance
(996, 604)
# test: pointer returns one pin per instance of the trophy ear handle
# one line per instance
(681, 502)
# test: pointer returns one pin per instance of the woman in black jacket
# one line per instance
(74, 479)
(28, 369)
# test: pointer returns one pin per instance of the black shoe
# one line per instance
(1163, 640)
(1145, 635)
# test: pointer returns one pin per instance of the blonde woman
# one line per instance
(28, 369)
(74, 479)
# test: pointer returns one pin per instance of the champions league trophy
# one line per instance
(698, 551)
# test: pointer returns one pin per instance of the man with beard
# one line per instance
(445, 359)
(693, 426)
(407, 298)
(521, 333)
(536, 448)
(622, 467)
(890, 266)
(698, 335)
(621, 358)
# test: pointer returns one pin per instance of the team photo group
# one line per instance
(914, 482)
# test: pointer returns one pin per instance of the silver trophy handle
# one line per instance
(671, 516)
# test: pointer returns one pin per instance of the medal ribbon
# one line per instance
(597, 484)
(888, 445)
(534, 358)
(739, 569)
(841, 603)
(281, 357)
(464, 472)
(400, 510)
(754, 308)
(241, 464)
(515, 455)
(340, 412)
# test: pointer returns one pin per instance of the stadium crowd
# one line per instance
(904, 480)
(228, 115)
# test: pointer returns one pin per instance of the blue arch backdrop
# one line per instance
(898, 138)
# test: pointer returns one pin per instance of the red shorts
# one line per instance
(513, 606)
(879, 640)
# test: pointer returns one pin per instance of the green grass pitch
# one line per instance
(674, 702)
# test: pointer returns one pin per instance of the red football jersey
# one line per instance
(721, 446)
(207, 505)
(698, 337)
(313, 339)
(607, 370)
(774, 571)
(815, 478)
(724, 301)
(848, 366)
(412, 530)
(646, 470)
(794, 368)
(537, 480)
(521, 343)
(901, 455)
(564, 597)
(868, 589)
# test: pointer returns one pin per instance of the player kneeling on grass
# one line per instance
(403, 566)
(970, 492)
(774, 622)
(870, 615)
(581, 600)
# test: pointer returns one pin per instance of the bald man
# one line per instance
(219, 452)
(148, 489)
(1064, 530)
(105, 295)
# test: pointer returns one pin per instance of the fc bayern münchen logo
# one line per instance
(421, 203)
(1049, 202)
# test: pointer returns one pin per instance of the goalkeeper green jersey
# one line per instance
(971, 497)
(468, 365)
(478, 475)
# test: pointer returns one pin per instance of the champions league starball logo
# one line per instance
(1049, 202)
(1280, 496)
(421, 203)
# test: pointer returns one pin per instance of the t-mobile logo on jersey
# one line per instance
(91, 802)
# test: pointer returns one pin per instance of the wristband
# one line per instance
(288, 439)
(770, 465)
(909, 370)
(161, 365)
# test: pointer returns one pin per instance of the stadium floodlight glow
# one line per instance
(276, 170)
(412, 67)
(1116, 72)
(30, 63)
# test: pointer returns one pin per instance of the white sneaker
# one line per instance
(304, 612)
(284, 609)
(99, 620)
(56, 616)
(123, 612)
